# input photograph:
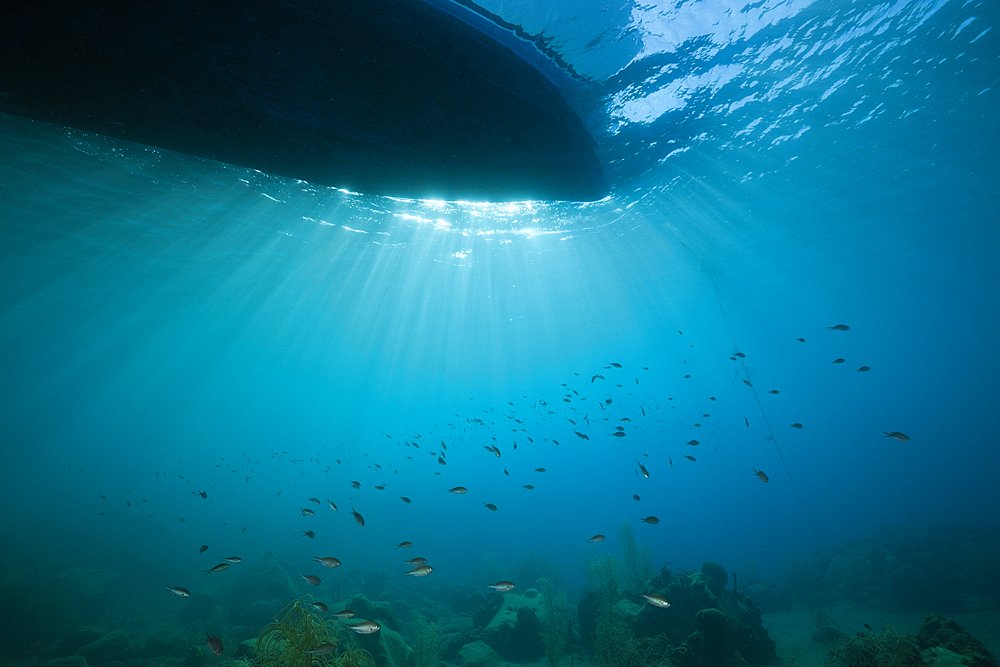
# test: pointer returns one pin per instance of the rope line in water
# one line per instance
(770, 431)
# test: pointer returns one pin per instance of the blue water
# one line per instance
(170, 325)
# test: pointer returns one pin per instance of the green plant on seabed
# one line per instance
(285, 642)
(425, 642)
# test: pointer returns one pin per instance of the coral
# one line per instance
(715, 572)
(615, 644)
(285, 642)
(885, 649)
(940, 632)
(424, 641)
(557, 625)
(636, 564)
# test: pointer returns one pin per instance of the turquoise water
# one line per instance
(170, 325)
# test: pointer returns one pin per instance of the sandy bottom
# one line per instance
(792, 630)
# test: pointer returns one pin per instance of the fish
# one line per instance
(596, 538)
(642, 469)
(333, 505)
(203, 494)
(864, 369)
(457, 490)
(502, 586)
(416, 562)
(346, 613)
(801, 340)
(214, 644)
(323, 649)
(616, 365)
(308, 533)
(760, 475)
(670, 460)
(319, 606)
(380, 487)
(838, 361)
(203, 549)
(405, 499)
(312, 579)
(796, 425)
(314, 500)
(421, 571)
(896, 435)
(747, 383)
(619, 434)
(539, 469)
(693, 443)
(179, 592)
(740, 355)
(839, 327)
(635, 496)
(404, 545)
(365, 627)
(869, 627)
(307, 512)
(356, 485)
(490, 506)
(595, 377)
(747, 421)
(689, 458)
(656, 600)
(582, 436)
(218, 568)
(507, 474)
(529, 487)
(650, 520)
(328, 561)
(232, 559)
(773, 391)
(357, 517)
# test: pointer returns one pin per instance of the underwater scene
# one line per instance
(720, 392)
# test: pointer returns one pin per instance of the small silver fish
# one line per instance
(322, 649)
(218, 568)
(333, 505)
(311, 578)
(502, 586)
(307, 512)
(357, 517)
(347, 613)
(421, 571)
(365, 627)
(457, 490)
(596, 538)
(328, 561)
(179, 592)
(896, 435)
(232, 559)
(656, 600)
